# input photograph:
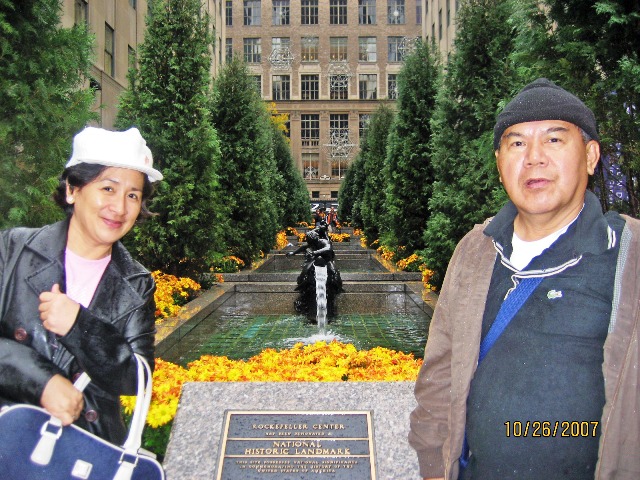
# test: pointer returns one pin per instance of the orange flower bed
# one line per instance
(320, 362)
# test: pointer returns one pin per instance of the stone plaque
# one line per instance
(301, 445)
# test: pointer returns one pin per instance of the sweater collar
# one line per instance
(589, 234)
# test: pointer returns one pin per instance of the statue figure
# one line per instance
(319, 252)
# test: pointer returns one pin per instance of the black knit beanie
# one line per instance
(544, 100)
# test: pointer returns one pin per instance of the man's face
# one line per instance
(544, 167)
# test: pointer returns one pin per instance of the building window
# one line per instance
(228, 15)
(368, 84)
(363, 125)
(310, 163)
(310, 130)
(367, 50)
(395, 11)
(394, 52)
(258, 80)
(310, 87)
(281, 87)
(280, 43)
(339, 123)
(287, 131)
(309, 12)
(440, 24)
(338, 48)
(315, 194)
(252, 12)
(133, 3)
(339, 90)
(109, 47)
(392, 86)
(280, 13)
(338, 167)
(81, 12)
(310, 49)
(419, 12)
(334, 194)
(367, 12)
(338, 12)
(228, 49)
(252, 50)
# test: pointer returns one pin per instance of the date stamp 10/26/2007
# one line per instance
(546, 429)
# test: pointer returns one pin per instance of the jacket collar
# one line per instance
(591, 234)
(115, 295)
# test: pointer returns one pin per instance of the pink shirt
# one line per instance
(83, 276)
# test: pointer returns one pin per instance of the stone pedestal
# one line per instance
(193, 452)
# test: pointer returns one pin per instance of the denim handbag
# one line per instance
(34, 445)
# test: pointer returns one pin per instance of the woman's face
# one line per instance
(104, 211)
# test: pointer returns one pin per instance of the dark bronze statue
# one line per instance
(319, 252)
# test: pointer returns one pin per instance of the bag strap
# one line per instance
(52, 429)
(143, 400)
(507, 311)
(129, 458)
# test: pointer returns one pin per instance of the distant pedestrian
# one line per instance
(332, 220)
(320, 216)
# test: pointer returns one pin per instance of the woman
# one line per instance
(73, 300)
(332, 220)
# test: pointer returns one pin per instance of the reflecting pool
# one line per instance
(246, 322)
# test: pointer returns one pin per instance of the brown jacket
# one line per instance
(451, 357)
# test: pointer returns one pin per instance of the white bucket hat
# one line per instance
(114, 149)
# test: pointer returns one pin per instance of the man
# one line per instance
(557, 395)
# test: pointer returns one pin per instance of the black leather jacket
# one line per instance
(119, 321)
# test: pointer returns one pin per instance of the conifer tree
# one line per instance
(290, 192)
(592, 49)
(408, 169)
(44, 69)
(466, 188)
(374, 152)
(248, 172)
(349, 194)
(168, 101)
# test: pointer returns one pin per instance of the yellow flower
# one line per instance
(340, 237)
(169, 290)
(281, 240)
(320, 362)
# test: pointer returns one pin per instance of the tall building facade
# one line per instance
(439, 24)
(328, 64)
(119, 27)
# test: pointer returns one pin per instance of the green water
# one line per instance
(243, 336)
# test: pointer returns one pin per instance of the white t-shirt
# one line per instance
(524, 252)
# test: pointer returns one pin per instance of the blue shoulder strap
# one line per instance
(507, 311)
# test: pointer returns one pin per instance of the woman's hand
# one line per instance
(57, 311)
(62, 400)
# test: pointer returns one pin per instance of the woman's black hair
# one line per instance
(84, 173)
